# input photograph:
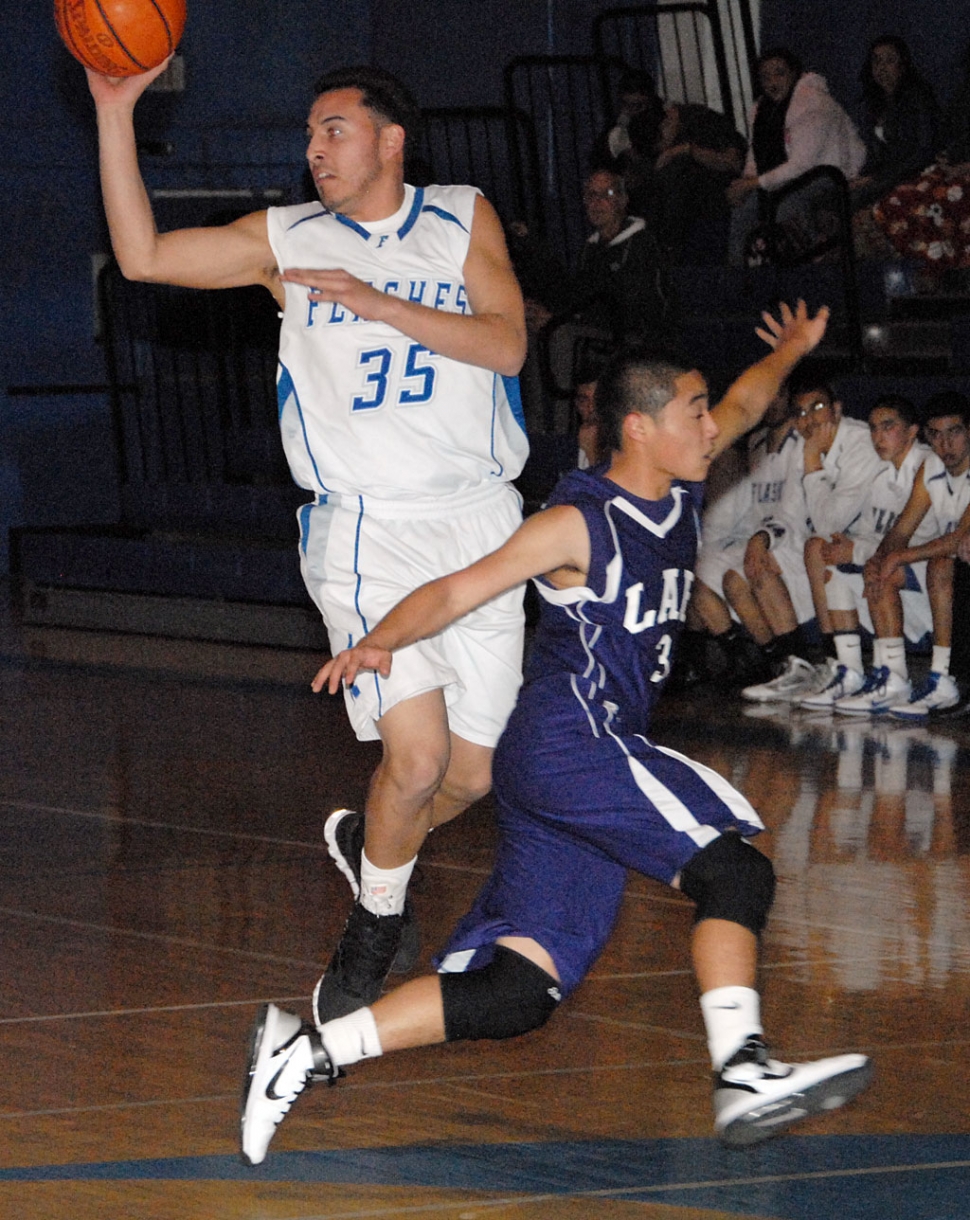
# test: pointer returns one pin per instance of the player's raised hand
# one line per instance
(122, 90)
(345, 666)
(799, 328)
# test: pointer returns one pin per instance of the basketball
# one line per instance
(120, 37)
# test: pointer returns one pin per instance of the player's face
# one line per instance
(683, 440)
(811, 409)
(950, 441)
(891, 435)
(346, 151)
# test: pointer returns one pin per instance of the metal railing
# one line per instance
(570, 100)
(683, 48)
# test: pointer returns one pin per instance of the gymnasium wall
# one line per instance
(249, 64)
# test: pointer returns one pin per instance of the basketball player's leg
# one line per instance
(416, 758)
(510, 995)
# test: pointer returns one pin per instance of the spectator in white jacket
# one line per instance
(796, 125)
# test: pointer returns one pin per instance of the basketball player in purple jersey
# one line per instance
(582, 793)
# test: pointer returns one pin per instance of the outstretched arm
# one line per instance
(219, 257)
(791, 336)
(554, 542)
(492, 336)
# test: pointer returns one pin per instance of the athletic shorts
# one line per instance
(845, 592)
(712, 565)
(714, 562)
(572, 820)
(790, 557)
(360, 558)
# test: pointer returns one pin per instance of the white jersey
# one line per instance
(836, 494)
(747, 488)
(365, 410)
(776, 498)
(888, 495)
(949, 496)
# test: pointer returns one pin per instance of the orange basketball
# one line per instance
(120, 37)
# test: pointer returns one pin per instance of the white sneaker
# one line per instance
(936, 692)
(881, 690)
(842, 681)
(756, 1097)
(285, 1055)
(793, 682)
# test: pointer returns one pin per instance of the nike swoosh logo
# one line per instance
(271, 1086)
(726, 1007)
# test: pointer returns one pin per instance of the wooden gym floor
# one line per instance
(163, 871)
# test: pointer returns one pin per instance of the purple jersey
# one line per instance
(581, 793)
(612, 640)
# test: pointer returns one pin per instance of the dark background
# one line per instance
(249, 66)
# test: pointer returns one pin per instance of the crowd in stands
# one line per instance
(823, 534)
(704, 192)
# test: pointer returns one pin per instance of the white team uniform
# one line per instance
(888, 494)
(769, 497)
(409, 453)
(836, 494)
(949, 496)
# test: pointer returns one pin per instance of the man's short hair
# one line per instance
(382, 93)
(640, 380)
(806, 383)
(905, 408)
(947, 402)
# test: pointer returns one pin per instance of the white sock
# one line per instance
(891, 652)
(848, 648)
(941, 659)
(731, 1016)
(351, 1038)
(382, 890)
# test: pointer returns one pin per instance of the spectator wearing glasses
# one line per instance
(838, 466)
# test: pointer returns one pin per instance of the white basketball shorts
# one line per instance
(360, 557)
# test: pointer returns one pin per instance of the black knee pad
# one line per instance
(730, 879)
(509, 996)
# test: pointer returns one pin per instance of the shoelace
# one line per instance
(874, 679)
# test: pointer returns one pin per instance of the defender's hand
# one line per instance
(345, 666)
(363, 300)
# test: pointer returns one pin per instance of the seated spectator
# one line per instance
(638, 97)
(838, 465)
(941, 488)
(690, 157)
(796, 125)
(928, 218)
(620, 283)
(901, 129)
(835, 564)
(590, 451)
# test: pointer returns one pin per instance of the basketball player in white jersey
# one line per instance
(403, 330)
(941, 491)
(835, 565)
